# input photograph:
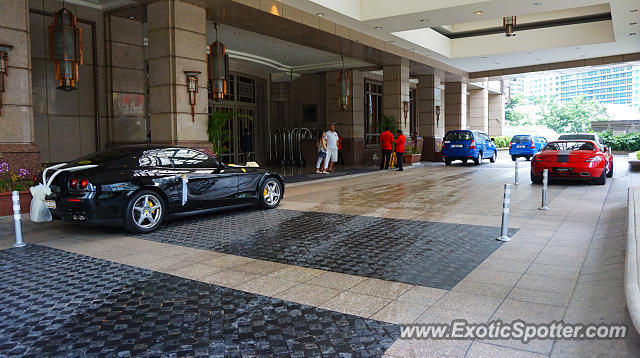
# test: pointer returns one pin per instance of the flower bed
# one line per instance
(6, 203)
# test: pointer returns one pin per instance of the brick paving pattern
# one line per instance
(430, 254)
(56, 303)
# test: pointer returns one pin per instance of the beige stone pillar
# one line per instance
(126, 69)
(350, 123)
(455, 106)
(177, 43)
(16, 121)
(395, 91)
(479, 109)
(430, 125)
(496, 114)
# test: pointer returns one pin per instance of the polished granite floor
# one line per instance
(57, 303)
(423, 253)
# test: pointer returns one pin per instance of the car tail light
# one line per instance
(73, 183)
(472, 145)
(35, 179)
(593, 159)
(84, 183)
(537, 158)
(532, 146)
(510, 145)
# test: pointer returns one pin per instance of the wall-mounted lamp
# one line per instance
(65, 48)
(405, 108)
(4, 65)
(509, 24)
(437, 115)
(192, 90)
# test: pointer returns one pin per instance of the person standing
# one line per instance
(322, 154)
(246, 144)
(386, 145)
(331, 136)
(340, 155)
(400, 141)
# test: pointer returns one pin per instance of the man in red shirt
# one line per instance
(386, 144)
(400, 140)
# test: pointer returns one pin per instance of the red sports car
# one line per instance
(572, 159)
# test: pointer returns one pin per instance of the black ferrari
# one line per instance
(140, 186)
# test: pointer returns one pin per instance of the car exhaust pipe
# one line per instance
(585, 174)
(79, 218)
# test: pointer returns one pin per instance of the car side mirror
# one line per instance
(606, 149)
(493, 139)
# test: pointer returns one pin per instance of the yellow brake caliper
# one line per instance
(265, 192)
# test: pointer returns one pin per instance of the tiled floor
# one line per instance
(423, 253)
(566, 263)
(55, 303)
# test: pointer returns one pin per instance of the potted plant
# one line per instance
(13, 181)
(219, 134)
(411, 153)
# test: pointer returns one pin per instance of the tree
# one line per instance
(512, 115)
(571, 117)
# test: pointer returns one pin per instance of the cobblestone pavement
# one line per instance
(430, 254)
(55, 303)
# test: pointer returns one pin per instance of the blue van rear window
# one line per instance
(521, 139)
(462, 135)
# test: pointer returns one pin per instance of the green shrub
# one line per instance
(502, 142)
(638, 154)
(624, 143)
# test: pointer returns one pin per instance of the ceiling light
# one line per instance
(321, 14)
(479, 12)
(379, 27)
(132, 17)
(236, 33)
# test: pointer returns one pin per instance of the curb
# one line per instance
(632, 264)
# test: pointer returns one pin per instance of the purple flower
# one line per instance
(4, 167)
(22, 173)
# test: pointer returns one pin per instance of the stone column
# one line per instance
(177, 43)
(455, 106)
(350, 123)
(127, 87)
(395, 91)
(430, 125)
(16, 120)
(479, 109)
(496, 114)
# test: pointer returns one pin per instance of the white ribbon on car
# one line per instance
(185, 190)
(39, 211)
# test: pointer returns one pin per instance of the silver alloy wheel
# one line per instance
(146, 211)
(271, 193)
(495, 155)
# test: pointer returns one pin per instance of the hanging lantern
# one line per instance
(509, 24)
(218, 69)
(4, 65)
(65, 48)
(345, 85)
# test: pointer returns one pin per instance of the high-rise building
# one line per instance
(608, 85)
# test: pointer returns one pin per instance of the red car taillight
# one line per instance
(84, 183)
(472, 145)
(73, 183)
(78, 183)
(510, 145)
(532, 146)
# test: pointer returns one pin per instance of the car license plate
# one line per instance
(521, 146)
(51, 204)
(456, 145)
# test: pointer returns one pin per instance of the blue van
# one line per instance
(525, 145)
(468, 144)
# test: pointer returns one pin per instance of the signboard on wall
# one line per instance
(128, 104)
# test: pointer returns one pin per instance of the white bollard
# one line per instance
(516, 181)
(15, 197)
(545, 185)
(506, 203)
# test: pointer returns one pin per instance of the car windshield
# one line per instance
(521, 139)
(570, 145)
(101, 157)
(460, 135)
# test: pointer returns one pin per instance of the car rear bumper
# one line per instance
(86, 209)
(522, 151)
(459, 154)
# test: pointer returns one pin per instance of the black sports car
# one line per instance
(139, 186)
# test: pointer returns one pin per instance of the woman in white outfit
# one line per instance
(322, 154)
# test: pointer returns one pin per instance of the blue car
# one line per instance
(525, 146)
(468, 144)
